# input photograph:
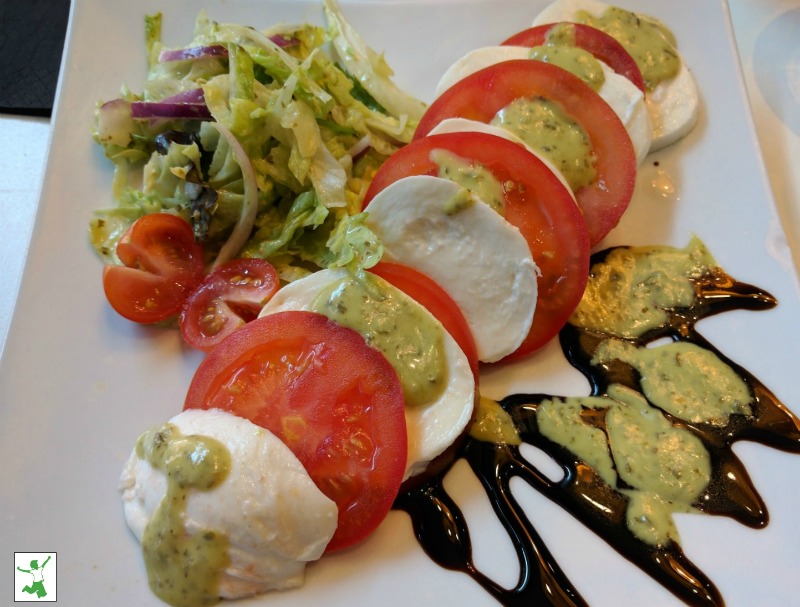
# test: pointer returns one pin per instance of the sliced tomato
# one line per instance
(595, 41)
(536, 202)
(424, 290)
(230, 296)
(163, 264)
(482, 94)
(333, 400)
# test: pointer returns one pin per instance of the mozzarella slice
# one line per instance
(673, 108)
(474, 254)
(627, 101)
(673, 105)
(273, 515)
(431, 427)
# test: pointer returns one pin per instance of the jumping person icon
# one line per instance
(38, 578)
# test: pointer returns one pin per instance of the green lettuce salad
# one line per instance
(265, 141)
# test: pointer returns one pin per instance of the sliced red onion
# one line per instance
(215, 50)
(194, 52)
(187, 104)
(283, 41)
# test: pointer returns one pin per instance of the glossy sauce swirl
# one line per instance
(602, 501)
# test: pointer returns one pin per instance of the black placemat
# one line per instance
(31, 44)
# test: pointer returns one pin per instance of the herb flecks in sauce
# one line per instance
(651, 44)
(409, 337)
(545, 127)
(575, 60)
(632, 291)
(636, 450)
(653, 438)
(183, 568)
(471, 175)
(683, 379)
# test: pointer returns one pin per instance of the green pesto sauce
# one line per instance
(546, 128)
(573, 59)
(567, 422)
(651, 44)
(458, 202)
(493, 424)
(631, 292)
(470, 175)
(663, 468)
(411, 339)
(688, 381)
(561, 34)
(183, 569)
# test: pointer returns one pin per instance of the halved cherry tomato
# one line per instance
(163, 264)
(230, 296)
(333, 400)
(536, 202)
(482, 94)
(595, 41)
(424, 290)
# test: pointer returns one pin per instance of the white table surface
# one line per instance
(768, 37)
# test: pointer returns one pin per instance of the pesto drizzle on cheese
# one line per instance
(560, 49)
(547, 129)
(410, 338)
(651, 43)
(471, 175)
(654, 436)
(183, 568)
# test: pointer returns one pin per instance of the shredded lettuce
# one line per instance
(308, 114)
(368, 67)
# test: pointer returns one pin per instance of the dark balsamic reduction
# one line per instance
(442, 531)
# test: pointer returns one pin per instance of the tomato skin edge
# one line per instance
(604, 47)
(545, 214)
(273, 330)
(425, 291)
(482, 94)
(162, 264)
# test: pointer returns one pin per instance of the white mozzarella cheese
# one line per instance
(673, 105)
(564, 10)
(273, 515)
(431, 427)
(673, 108)
(627, 101)
(477, 59)
(481, 260)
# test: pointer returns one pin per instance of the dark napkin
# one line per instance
(31, 44)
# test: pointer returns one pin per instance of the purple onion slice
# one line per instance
(187, 104)
(194, 52)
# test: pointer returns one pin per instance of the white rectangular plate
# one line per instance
(78, 384)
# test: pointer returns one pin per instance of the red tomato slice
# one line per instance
(424, 290)
(333, 400)
(163, 263)
(539, 205)
(595, 41)
(232, 295)
(482, 94)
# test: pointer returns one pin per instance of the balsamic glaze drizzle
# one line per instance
(441, 528)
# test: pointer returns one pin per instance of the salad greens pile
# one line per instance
(265, 141)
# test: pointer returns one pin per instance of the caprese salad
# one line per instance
(348, 257)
